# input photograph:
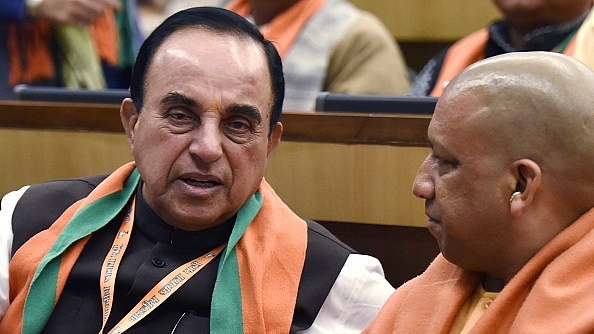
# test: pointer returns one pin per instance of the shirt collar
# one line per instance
(541, 39)
(156, 229)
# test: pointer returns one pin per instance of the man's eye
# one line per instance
(238, 125)
(239, 130)
(440, 162)
(178, 116)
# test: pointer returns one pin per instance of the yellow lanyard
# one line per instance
(158, 294)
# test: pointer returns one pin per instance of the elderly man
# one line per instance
(509, 192)
(188, 238)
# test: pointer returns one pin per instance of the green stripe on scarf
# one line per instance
(226, 297)
(42, 293)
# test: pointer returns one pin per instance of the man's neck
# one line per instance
(491, 284)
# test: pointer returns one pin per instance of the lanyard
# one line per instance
(158, 294)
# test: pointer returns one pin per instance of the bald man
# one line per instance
(509, 193)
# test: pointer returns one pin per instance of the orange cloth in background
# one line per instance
(30, 53)
(285, 27)
(467, 51)
(461, 54)
(552, 293)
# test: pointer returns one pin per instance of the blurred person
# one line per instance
(326, 45)
(509, 193)
(533, 25)
(117, 253)
(67, 43)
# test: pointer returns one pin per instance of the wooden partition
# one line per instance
(352, 172)
(431, 20)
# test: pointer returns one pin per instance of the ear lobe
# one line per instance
(129, 117)
(275, 137)
(528, 176)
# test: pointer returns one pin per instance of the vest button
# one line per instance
(158, 262)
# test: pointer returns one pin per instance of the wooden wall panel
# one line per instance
(30, 156)
(349, 183)
(431, 20)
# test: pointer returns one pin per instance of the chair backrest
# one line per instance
(399, 104)
(59, 94)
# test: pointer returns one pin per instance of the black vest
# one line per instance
(148, 259)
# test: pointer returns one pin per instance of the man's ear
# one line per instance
(129, 116)
(528, 178)
(275, 137)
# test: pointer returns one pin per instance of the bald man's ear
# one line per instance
(129, 116)
(528, 178)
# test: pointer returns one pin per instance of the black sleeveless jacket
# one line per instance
(78, 309)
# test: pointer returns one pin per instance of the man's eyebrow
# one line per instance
(247, 110)
(175, 97)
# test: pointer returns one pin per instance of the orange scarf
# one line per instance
(467, 51)
(286, 26)
(552, 293)
(263, 262)
(30, 51)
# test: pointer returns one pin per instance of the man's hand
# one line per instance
(76, 12)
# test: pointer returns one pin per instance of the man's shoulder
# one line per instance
(42, 203)
(56, 194)
(320, 237)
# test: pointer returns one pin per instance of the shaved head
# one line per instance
(512, 157)
(536, 105)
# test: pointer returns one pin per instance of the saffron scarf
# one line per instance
(552, 293)
(257, 280)
(286, 26)
(469, 50)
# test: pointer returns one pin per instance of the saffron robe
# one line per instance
(552, 293)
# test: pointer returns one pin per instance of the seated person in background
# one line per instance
(509, 192)
(67, 43)
(202, 121)
(326, 45)
(541, 25)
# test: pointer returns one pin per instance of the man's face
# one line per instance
(201, 140)
(462, 182)
(532, 14)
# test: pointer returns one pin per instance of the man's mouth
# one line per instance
(200, 182)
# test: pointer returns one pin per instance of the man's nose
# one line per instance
(423, 186)
(207, 142)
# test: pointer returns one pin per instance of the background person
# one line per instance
(202, 121)
(67, 43)
(326, 45)
(509, 192)
(539, 25)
